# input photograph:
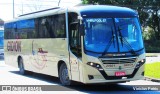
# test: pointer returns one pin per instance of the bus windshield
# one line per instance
(112, 35)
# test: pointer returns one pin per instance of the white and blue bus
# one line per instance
(88, 44)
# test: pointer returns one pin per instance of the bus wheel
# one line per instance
(21, 67)
(63, 75)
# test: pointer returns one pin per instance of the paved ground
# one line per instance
(11, 76)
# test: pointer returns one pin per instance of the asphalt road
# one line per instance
(10, 76)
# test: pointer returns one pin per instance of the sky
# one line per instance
(28, 6)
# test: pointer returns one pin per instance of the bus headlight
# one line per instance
(95, 65)
(140, 63)
(143, 61)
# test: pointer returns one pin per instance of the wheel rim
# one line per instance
(65, 76)
(21, 68)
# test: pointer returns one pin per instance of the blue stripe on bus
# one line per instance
(9, 25)
(21, 24)
(25, 24)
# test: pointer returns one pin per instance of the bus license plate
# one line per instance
(120, 73)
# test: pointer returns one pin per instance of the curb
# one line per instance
(151, 79)
(152, 56)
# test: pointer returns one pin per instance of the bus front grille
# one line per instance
(118, 60)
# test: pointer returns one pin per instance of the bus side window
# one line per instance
(42, 30)
(49, 27)
(59, 26)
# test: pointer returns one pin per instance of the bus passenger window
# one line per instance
(60, 26)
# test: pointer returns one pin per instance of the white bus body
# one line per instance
(62, 43)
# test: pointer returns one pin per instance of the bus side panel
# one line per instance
(39, 55)
(47, 54)
(10, 56)
(26, 54)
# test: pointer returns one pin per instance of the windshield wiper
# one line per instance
(110, 42)
(123, 40)
(121, 37)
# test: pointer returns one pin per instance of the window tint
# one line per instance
(59, 26)
(22, 29)
(10, 30)
(44, 27)
(51, 26)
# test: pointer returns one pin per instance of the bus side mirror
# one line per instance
(82, 28)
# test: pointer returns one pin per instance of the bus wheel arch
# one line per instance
(63, 73)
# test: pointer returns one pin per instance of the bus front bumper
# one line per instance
(92, 75)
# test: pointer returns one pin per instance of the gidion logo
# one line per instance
(14, 46)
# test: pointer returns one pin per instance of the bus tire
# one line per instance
(21, 67)
(63, 75)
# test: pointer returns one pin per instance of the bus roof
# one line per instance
(105, 11)
(85, 11)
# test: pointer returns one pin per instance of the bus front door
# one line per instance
(75, 52)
